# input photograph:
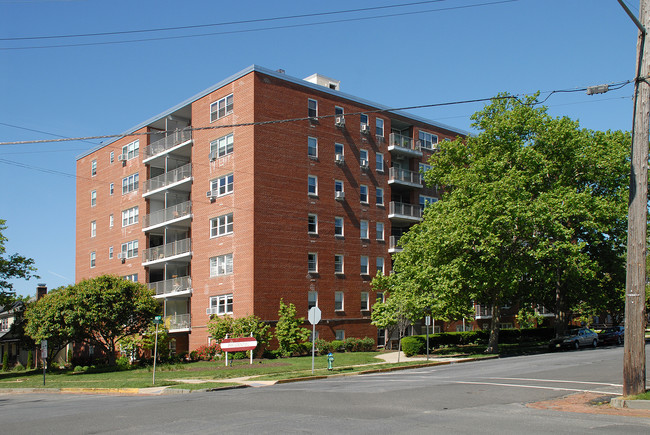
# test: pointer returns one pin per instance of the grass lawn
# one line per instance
(167, 375)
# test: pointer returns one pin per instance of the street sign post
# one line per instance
(241, 344)
(157, 320)
(44, 356)
(314, 317)
(427, 322)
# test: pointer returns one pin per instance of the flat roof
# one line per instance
(281, 76)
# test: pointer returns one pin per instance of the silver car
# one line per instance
(574, 338)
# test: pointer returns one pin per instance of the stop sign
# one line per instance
(314, 315)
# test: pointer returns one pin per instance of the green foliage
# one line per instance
(528, 318)
(12, 267)
(5, 361)
(289, 331)
(19, 368)
(220, 326)
(413, 345)
(123, 363)
(205, 352)
(30, 359)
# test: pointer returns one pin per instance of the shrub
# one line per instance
(289, 332)
(19, 368)
(366, 344)
(338, 346)
(351, 344)
(413, 345)
(207, 353)
(5, 362)
(123, 363)
(323, 347)
(30, 359)
(78, 369)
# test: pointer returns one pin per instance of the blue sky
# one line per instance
(445, 51)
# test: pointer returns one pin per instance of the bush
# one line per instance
(78, 369)
(5, 362)
(338, 346)
(413, 345)
(19, 368)
(207, 353)
(351, 344)
(30, 360)
(123, 363)
(366, 344)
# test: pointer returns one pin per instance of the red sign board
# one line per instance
(238, 344)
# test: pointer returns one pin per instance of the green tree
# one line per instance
(289, 331)
(220, 326)
(533, 211)
(11, 267)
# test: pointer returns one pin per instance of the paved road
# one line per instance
(469, 398)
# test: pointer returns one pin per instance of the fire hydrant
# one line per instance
(330, 360)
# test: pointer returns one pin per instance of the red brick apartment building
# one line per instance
(222, 209)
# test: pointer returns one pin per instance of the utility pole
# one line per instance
(634, 367)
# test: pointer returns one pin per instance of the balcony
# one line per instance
(168, 143)
(169, 215)
(392, 244)
(171, 251)
(406, 213)
(403, 177)
(405, 145)
(178, 322)
(483, 312)
(181, 286)
(168, 179)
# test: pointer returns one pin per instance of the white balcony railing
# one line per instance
(167, 214)
(178, 321)
(400, 209)
(170, 141)
(404, 176)
(170, 286)
(168, 178)
(399, 142)
(392, 244)
(483, 311)
(165, 251)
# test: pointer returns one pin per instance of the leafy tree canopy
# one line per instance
(289, 331)
(11, 267)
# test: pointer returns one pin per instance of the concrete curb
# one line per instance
(619, 402)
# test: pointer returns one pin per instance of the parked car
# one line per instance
(612, 335)
(574, 338)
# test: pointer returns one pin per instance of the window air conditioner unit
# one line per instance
(339, 196)
(213, 155)
(339, 158)
(121, 255)
(365, 129)
(339, 121)
(210, 194)
(364, 164)
(209, 311)
(121, 158)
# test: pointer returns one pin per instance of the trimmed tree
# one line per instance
(289, 331)
(220, 326)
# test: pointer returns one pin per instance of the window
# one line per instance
(380, 265)
(380, 231)
(380, 297)
(338, 301)
(221, 265)
(365, 301)
(379, 130)
(110, 221)
(93, 257)
(338, 186)
(93, 198)
(338, 149)
(364, 265)
(222, 225)
(426, 200)
(379, 160)
(312, 299)
(130, 183)
(221, 108)
(312, 108)
(338, 226)
(112, 157)
(221, 305)
(130, 216)
(339, 334)
(111, 189)
(380, 196)
(131, 150)
(428, 141)
(364, 119)
(424, 168)
(93, 228)
(338, 263)
(312, 262)
(363, 194)
(130, 249)
(132, 278)
(312, 147)
(363, 229)
(312, 224)
(110, 253)
(93, 168)
(363, 158)
(222, 146)
(312, 185)
(223, 185)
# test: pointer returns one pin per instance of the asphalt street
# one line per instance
(469, 398)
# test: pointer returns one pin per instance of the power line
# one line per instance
(288, 26)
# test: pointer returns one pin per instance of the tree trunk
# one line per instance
(493, 342)
(561, 322)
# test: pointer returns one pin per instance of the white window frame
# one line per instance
(426, 200)
(363, 156)
(110, 252)
(130, 183)
(339, 334)
(133, 277)
(379, 197)
(130, 216)
(427, 138)
(221, 265)
(339, 186)
(222, 107)
(112, 157)
(311, 178)
(130, 249)
(361, 119)
(93, 168)
(312, 299)
(93, 198)
(111, 189)
(312, 147)
(312, 262)
(312, 221)
(379, 127)
(363, 194)
(364, 265)
(222, 303)
(111, 220)
(379, 228)
(338, 219)
(312, 112)
(380, 297)
(365, 301)
(339, 264)
(224, 185)
(93, 229)
(379, 162)
(339, 301)
(381, 265)
(364, 229)
(221, 225)
(93, 259)
(339, 148)
(223, 146)
(131, 150)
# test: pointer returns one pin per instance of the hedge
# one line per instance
(416, 344)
